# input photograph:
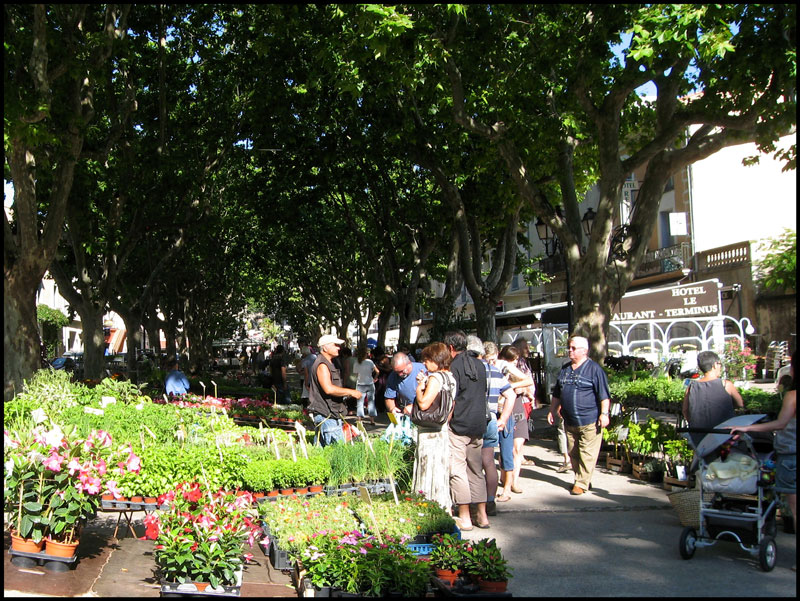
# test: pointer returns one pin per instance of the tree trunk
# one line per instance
(93, 340)
(383, 322)
(20, 334)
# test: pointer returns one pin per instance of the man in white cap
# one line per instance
(326, 394)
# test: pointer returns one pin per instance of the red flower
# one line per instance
(193, 495)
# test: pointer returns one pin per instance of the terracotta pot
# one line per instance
(26, 545)
(301, 491)
(151, 500)
(449, 576)
(200, 586)
(258, 495)
(107, 497)
(287, 491)
(273, 493)
(492, 586)
(137, 499)
(315, 488)
(58, 549)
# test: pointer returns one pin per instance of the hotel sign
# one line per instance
(699, 299)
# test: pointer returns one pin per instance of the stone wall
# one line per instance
(776, 319)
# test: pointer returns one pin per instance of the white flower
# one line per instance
(106, 401)
(9, 465)
(140, 406)
(38, 415)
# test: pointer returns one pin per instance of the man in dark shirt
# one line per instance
(581, 397)
(467, 426)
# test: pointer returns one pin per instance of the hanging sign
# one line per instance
(698, 299)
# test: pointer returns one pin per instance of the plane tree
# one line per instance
(55, 59)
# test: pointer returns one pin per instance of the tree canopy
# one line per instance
(323, 162)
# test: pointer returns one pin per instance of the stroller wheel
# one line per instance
(688, 542)
(767, 553)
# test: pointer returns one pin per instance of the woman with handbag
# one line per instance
(432, 457)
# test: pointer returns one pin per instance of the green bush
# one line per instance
(258, 475)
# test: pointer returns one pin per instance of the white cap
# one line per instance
(329, 339)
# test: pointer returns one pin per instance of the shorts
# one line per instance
(490, 438)
(786, 474)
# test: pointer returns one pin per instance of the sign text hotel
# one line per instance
(700, 299)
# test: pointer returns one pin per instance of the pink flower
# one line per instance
(54, 461)
(134, 464)
(111, 487)
(74, 466)
(248, 556)
(93, 486)
(101, 467)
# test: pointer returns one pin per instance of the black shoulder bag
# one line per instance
(438, 413)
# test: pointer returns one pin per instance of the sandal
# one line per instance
(460, 527)
(502, 499)
(563, 468)
(528, 462)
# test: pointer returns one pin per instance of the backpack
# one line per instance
(440, 410)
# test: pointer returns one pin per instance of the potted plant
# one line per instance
(447, 557)
(258, 475)
(679, 457)
(616, 436)
(23, 493)
(199, 537)
(483, 560)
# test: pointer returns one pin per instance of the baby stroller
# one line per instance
(740, 472)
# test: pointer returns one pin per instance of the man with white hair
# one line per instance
(581, 397)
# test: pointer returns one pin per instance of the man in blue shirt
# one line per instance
(401, 387)
(176, 382)
(581, 397)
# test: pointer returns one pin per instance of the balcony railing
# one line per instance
(664, 260)
(732, 255)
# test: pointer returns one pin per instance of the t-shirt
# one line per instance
(709, 405)
(306, 363)
(498, 384)
(404, 389)
(581, 391)
(364, 371)
(176, 382)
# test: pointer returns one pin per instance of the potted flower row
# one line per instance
(53, 482)
(354, 563)
(199, 538)
(270, 476)
(481, 561)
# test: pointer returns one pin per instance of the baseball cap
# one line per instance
(329, 339)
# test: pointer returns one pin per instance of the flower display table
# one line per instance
(176, 589)
(52, 563)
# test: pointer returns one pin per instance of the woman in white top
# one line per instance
(367, 374)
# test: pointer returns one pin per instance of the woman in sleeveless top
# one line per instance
(432, 457)
(710, 400)
(785, 445)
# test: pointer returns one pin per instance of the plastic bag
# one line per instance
(403, 432)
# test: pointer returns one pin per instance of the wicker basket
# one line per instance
(687, 504)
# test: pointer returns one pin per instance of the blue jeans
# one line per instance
(490, 436)
(507, 445)
(369, 394)
(329, 430)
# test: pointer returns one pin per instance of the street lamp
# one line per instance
(588, 221)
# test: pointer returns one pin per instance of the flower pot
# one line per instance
(301, 491)
(26, 545)
(151, 500)
(273, 493)
(287, 491)
(258, 495)
(315, 488)
(492, 586)
(137, 499)
(200, 586)
(53, 547)
(448, 576)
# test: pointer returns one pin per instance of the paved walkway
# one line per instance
(620, 540)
